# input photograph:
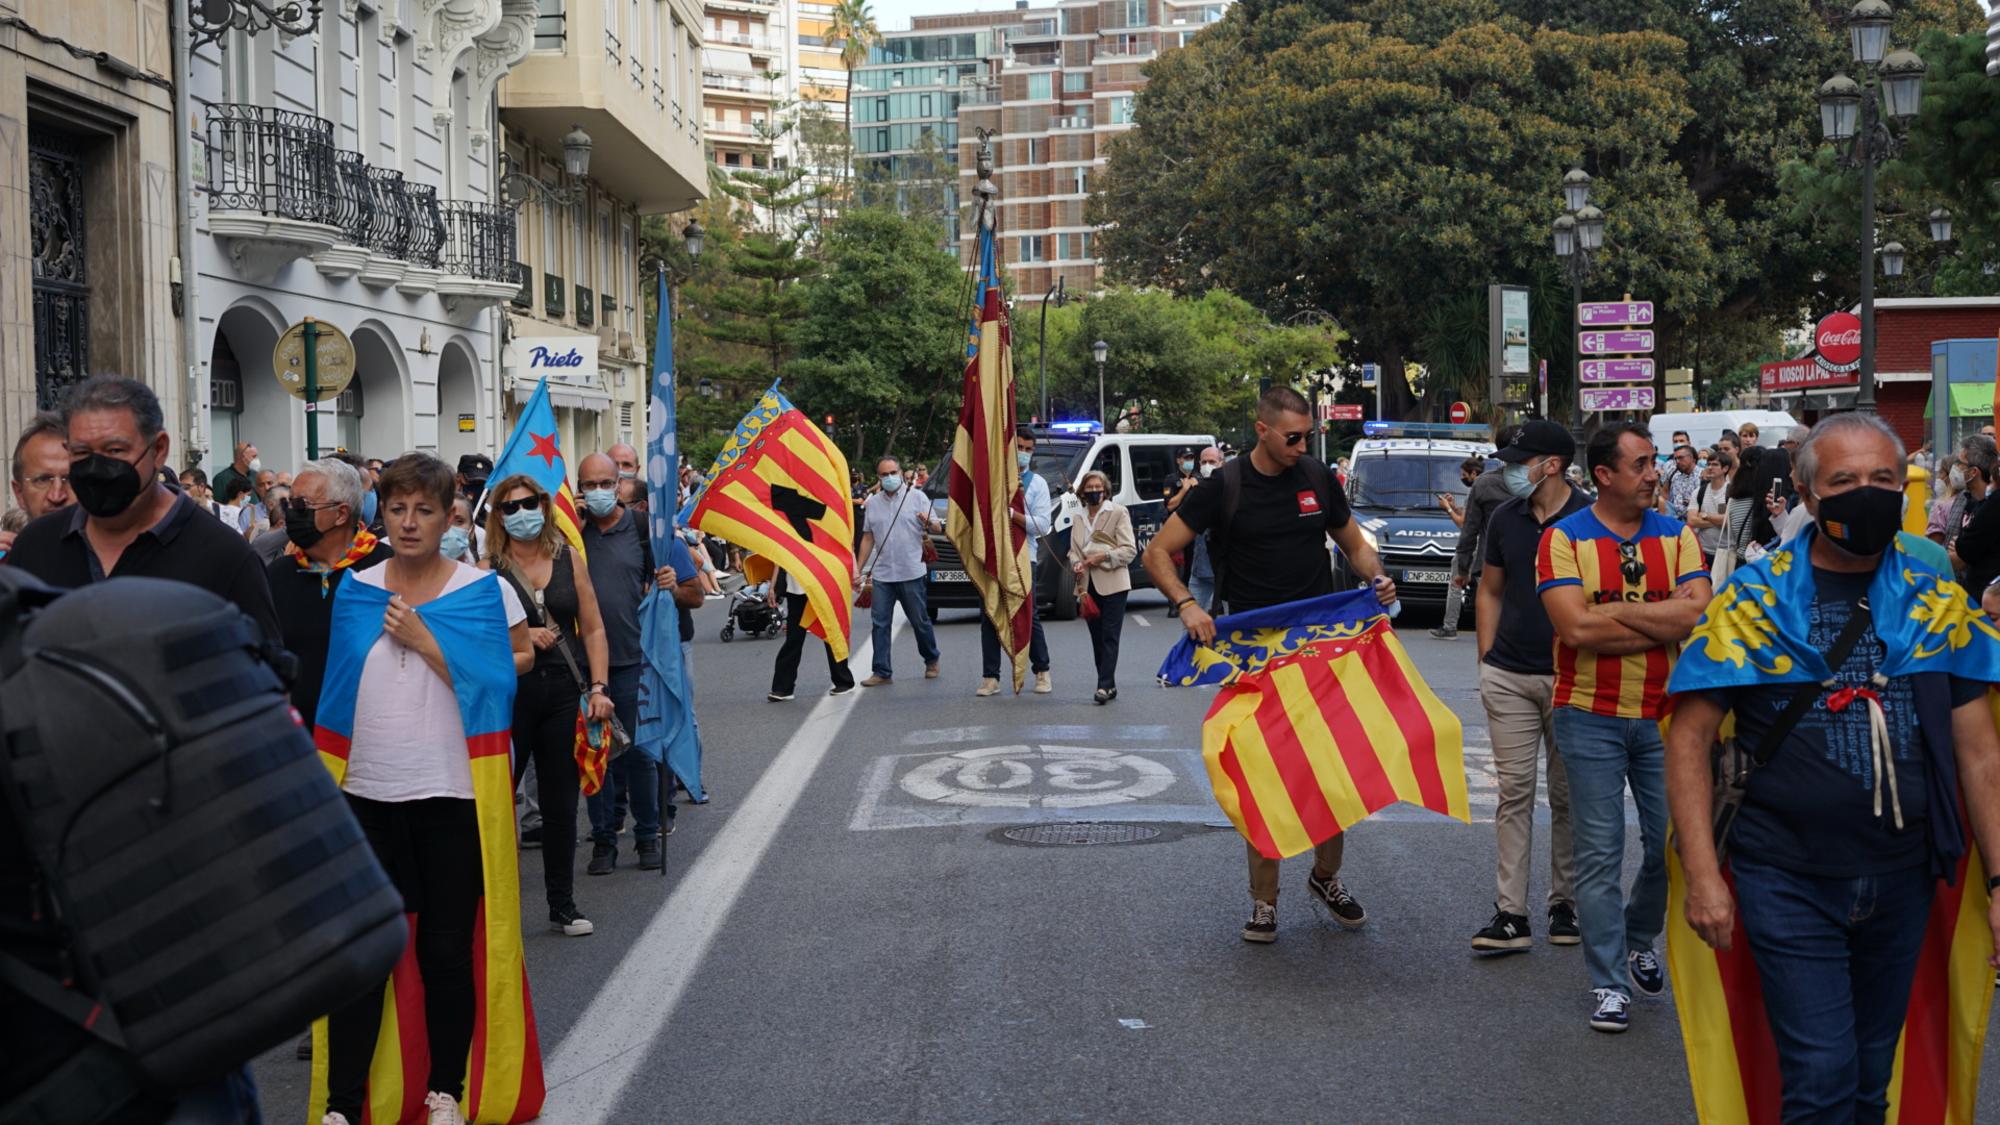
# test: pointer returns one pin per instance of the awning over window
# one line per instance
(564, 394)
(1968, 400)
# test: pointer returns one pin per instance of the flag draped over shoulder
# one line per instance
(1322, 720)
(782, 494)
(532, 450)
(666, 691)
(503, 1082)
(1756, 632)
(985, 483)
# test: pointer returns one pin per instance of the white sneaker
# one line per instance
(1043, 685)
(988, 686)
(443, 1109)
(334, 1119)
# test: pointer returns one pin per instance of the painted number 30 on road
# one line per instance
(1054, 777)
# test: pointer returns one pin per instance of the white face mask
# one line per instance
(1208, 468)
(1958, 476)
(256, 465)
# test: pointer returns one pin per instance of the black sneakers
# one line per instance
(652, 853)
(603, 858)
(1563, 929)
(570, 922)
(531, 837)
(1339, 903)
(1506, 933)
(1648, 975)
(1263, 925)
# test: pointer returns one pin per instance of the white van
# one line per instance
(1705, 427)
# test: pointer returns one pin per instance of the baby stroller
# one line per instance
(749, 612)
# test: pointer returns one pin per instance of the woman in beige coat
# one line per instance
(1101, 549)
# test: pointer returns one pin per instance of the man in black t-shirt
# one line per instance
(1269, 514)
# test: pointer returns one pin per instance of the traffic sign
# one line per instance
(1615, 343)
(331, 374)
(1616, 398)
(1460, 413)
(1344, 412)
(1616, 370)
(1371, 373)
(1614, 314)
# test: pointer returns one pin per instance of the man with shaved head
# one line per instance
(626, 459)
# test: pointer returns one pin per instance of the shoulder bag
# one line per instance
(1732, 762)
(621, 739)
(1086, 604)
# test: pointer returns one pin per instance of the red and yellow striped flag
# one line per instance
(1321, 721)
(985, 482)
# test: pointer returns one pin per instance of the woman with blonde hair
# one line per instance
(526, 548)
(1101, 550)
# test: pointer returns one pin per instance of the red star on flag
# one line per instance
(545, 448)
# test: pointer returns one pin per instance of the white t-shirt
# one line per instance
(409, 742)
(1714, 500)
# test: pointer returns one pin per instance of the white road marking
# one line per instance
(595, 1063)
(1140, 619)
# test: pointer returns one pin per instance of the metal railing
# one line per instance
(736, 82)
(270, 161)
(426, 225)
(389, 221)
(479, 240)
(353, 197)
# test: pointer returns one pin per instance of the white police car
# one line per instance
(1396, 475)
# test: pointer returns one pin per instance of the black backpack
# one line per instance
(200, 889)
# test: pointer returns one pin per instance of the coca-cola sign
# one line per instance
(1837, 342)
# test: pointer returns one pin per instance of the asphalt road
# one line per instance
(846, 934)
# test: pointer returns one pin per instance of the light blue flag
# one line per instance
(667, 728)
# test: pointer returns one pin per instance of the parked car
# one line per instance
(1395, 476)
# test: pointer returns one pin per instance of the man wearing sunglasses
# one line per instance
(1624, 585)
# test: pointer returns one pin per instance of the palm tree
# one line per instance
(854, 26)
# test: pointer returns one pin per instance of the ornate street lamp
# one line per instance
(517, 188)
(1576, 189)
(210, 20)
(1892, 259)
(1578, 235)
(1868, 28)
(1839, 105)
(1098, 351)
(1565, 232)
(1058, 296)
(1940, 225)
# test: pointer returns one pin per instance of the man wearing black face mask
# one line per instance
(125, 522)
(1855, 812)
(324, 541)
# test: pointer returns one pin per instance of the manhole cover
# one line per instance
(1058, 834)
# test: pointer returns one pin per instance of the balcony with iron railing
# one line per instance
(271, 183)
(478, 253)
(426, 239)
(735, 83)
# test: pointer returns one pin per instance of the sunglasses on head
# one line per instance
(529, 503)
(1630, 564)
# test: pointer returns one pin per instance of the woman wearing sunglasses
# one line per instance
(526, 548)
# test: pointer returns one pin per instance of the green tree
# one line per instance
(749, 309)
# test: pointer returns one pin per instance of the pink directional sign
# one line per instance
(1617, 370)
(1615, 314)
(1616, 398)
(1615, 343)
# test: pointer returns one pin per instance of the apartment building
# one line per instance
(628, 74)
(88, 236)
(748, 66)
(907, 98)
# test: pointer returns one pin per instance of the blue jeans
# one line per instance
(632, 779)
(1601, 754)
(1836, 957)
(912, 594)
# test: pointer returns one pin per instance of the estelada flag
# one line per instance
(1756, 632)
(1322, 720)
(783, 496)
(532, 449)
(985, 482)
(503, 1083)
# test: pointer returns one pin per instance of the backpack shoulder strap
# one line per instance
(1321, 478)
(1232, 493)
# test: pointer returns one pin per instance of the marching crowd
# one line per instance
(1594, 567)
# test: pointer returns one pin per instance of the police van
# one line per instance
(1142, 468)
(1396, 476)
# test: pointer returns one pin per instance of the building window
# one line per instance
(61, 289)
(1080, 181)
(550, 25)
(1135, 13)
(1076, 82)
(1121, 110)
(1038, 88)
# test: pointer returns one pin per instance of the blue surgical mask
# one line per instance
(1518, 480)
(1187, 466)
(454, 543)
(600, 501)
(524, 524)
(892, 482)
(1021, 458)
(368, 502)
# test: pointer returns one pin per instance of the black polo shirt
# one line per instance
(187, 545)
(1525, 642)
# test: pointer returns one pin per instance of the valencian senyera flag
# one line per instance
(503, 1082)
(779, 490)
(1322, 720)
(667, 730)
(985, 482)
(533, 449)
(1756, 632)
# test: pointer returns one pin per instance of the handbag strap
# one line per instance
(1843, 647)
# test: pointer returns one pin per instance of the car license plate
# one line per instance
(1430, 577)
(948, 576)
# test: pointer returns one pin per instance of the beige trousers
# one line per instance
(1518, 711)
(1264, 872)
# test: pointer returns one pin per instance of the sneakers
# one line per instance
(443, 1109)
(1339, 903)
(1613, 1011)
(840, 689)
(1648, 975)
(334, 1119)
(571, 923)
(1506, 933)
(779, 697)
(1262, 927)
(1444, 634)
(652, 853)
(1563, 929)
(988, 686)
(531, 837)
(603, 859)
(1043, 685)
(931, 671)
(877, 681)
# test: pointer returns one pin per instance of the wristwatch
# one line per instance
(1993, 884)
(598, 688)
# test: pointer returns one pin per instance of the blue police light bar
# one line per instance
(1443, 431)
(1076, 427)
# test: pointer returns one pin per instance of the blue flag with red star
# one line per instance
(532, 451)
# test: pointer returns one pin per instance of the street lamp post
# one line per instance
(1098, 351)
(1579, 234)
(1060, 296)
(1861, 114)
(516, 187)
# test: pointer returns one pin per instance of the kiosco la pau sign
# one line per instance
(1835, 361)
